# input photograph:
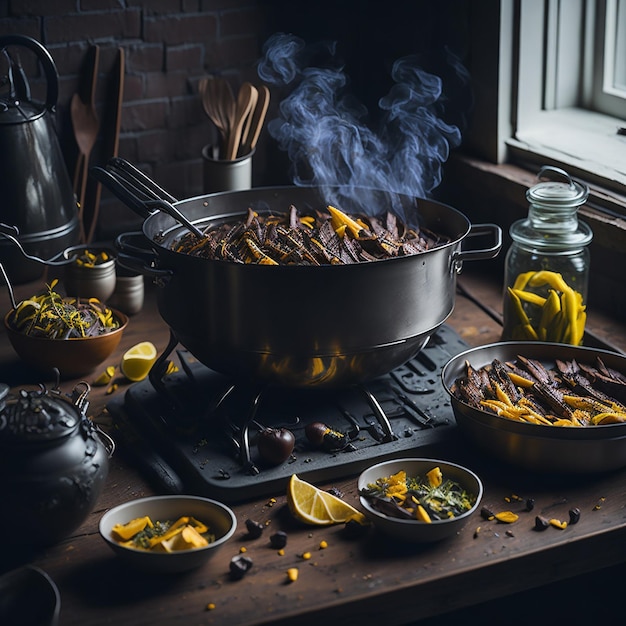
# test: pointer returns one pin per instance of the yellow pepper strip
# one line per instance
(530, 297)
(525, 324)
(421, 513)
(501, 395)
(339, 219)
(564, 423)
(130, 529)
(175, 528)
(435, 477)
(495, 405)
(520, 381)
(549, 311)
(522, 280)
(545, 277)
(608, 418)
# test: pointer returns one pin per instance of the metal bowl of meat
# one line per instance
(544, 407)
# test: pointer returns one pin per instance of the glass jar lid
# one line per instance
(557, 194)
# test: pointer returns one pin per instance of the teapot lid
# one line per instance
(34, 417)
(19, 112)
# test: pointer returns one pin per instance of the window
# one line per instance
(561, 87)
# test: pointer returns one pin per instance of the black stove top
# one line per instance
(197, 433)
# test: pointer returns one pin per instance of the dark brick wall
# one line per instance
(171, 44)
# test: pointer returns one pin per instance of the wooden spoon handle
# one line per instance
(258, 117)
(244, 104)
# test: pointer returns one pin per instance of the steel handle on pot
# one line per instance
(136, 258)
(479, 230)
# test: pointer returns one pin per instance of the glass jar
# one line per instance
(547, 266)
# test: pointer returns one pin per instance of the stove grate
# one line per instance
(197, 432)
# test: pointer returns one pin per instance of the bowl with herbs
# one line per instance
(50, 331)
(419, 500)
(168, 533)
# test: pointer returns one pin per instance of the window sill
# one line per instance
(584, 143)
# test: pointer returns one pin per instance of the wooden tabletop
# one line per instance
(365, 580)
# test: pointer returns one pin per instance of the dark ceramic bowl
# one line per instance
(74, 357)
(28, 596)
(412, 530)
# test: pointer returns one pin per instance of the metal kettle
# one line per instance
(36, 195)
(54, 461)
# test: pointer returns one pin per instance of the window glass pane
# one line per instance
(615, 48)
(619, 77)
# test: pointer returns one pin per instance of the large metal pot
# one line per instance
(300, 326)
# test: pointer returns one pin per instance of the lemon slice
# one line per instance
(138, 360)
(314, 506)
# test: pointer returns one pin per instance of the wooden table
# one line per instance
(368, 580)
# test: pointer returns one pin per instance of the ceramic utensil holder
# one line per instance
(221, 175)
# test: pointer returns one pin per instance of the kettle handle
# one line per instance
(49, 68)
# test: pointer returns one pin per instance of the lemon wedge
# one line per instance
(138, 360)
(317, 507)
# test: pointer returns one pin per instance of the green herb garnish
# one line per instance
(432, 497)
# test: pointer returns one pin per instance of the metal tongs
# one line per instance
(139, 192)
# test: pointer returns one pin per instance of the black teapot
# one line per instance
(36, 194)
(53, 462)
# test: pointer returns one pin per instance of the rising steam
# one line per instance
(323, 128)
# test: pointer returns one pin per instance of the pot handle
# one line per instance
(11, 232)
(49, 68)
(479, 230)
(137, 258)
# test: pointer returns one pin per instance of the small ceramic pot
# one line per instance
(129, 293)
(82, 281)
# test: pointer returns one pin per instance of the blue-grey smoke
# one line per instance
(325, 132)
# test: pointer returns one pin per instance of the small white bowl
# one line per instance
(219, 518)
(414, 530)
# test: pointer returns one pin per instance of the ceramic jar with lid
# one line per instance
(53, 463)
(547, 266)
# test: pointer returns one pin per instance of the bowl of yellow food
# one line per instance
(50, 331)
(168, 533)
(419, 500)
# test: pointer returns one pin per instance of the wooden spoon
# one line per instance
(257, 117)
(212, 107)
(112, 123)
(86, 127)
(245, 99)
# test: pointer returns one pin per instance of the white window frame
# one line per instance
(541, 98)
